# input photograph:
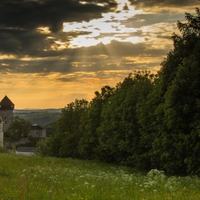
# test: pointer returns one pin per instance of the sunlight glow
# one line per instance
(58, 45)
(82, 41)
(106, 40)
(7, 56)
(100, 30)
(84, 2)
(139, 59)
(4, 64)
(82, 64)
(44, 30)
(135, 39)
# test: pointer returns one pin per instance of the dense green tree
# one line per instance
(51, 128)
(119, 134)
(18, 128)
(179, 76)
(182, 114)
(89, 142)
(68, 133)
(42, 148)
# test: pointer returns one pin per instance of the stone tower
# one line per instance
(6, 112)
(1, 132)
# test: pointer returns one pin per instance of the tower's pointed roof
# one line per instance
(6, 102)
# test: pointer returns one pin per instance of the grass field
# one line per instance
(38, 178)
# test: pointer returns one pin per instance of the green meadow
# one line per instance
(32, 177)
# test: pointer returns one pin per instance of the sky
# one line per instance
(55, 51)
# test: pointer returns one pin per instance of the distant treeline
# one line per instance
(42, 117)
(147, 121)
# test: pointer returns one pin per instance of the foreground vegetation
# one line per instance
(31, 178)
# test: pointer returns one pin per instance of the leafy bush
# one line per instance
(3, 150)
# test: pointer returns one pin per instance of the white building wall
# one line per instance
(43, 133)
(25, 153)
(1, 133)
(40, 133)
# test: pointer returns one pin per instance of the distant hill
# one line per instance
(42, 117)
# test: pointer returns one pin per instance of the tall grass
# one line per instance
(32, 178)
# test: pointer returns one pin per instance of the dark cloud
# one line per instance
(39, 52)
(33, 43)
(111, 70)
(164, 37)
(140, 20)
(119, 49)
(52, 13)
(163, 3)
(19, 21)
(20, 41)
(87, 59)
(68, 79)
(122, 36)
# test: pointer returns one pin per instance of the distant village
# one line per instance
(6, 116)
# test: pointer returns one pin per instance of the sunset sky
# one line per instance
(55, 51)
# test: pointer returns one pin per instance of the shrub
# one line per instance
(3, 150)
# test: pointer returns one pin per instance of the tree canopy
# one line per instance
(18, 128)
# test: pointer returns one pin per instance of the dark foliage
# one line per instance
(147, 121)
(18, 128)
